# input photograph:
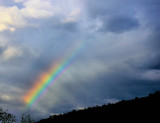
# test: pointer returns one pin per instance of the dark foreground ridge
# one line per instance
(138, 109)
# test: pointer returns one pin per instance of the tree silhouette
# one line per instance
(6, 117)
(26, 118)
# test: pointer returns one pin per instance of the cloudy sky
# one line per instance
(120, 58)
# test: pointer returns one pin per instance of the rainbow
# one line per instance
(47, 79)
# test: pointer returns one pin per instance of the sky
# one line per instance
(119, 56)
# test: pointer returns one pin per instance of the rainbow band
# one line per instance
(46, 80)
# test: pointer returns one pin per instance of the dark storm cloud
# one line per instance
(119, 24)
(156, 64)
(149, 9)
(120, 84)
(145, 63)
(155, 37)
(123, 15)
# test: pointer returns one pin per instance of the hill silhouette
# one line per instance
(135, 110)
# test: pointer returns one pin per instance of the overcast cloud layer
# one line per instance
(120, 58)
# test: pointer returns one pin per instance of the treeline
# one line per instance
(6, 117)
(145, 109)
(136, 110)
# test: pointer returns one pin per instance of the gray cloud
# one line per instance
(8, 3)
(1, 50)
(68, 27)
(119, 24)
(144, 64)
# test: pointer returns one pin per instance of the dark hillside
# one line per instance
(138, 109)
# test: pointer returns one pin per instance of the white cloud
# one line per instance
(14, 17)
(112, 100)
(37, 9)
(11, 17)
(5, 97)
(72, 16)
(12, 52)
(80, 108)
(12, 29)
(3, 27)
